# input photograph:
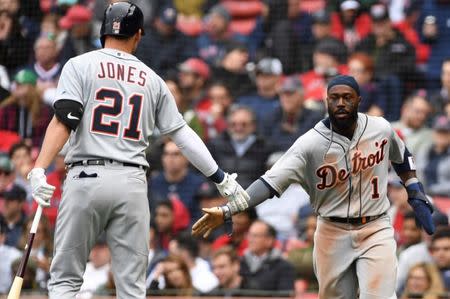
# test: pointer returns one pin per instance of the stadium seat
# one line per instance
(190, 26)
(243, 9)
(244, 26)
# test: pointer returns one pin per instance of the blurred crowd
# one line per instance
(249, 76)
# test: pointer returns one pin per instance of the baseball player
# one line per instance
(109, 103)
(343, 164)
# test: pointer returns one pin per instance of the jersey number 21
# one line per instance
(115, 110)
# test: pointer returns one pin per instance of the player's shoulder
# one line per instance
(83, 59)
(377, 123)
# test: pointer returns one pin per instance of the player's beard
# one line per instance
(343, 124)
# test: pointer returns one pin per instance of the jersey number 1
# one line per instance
(375, 192)
(115, 110)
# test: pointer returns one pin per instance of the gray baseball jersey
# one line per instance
(123, 103)
(344, 178)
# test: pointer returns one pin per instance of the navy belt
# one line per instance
(356, 221)
(102, 162)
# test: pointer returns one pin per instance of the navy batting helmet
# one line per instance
(121, 19)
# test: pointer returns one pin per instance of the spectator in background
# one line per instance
(15, 47)
(20, 155)
(302, 258)
(212, 112)
(424, 281)
(238, 240)
(391, 52)
(176, 181)
(268, 72)
(163, 46)
(193, 76)
(29, 278)
(433, 161)
(185, 108)
(419, 253)
(13, 214)
(50, 29)
(226, 266)
(262, 266)
(7, 175)
(176, 277)
(413, 122)
(212, 43)
(42, 249)
(23, 111)
(292, 118)
(408, 27)
(232, 69)
(167, 226)
(350, 24)
(410, 233)
(77, 21)
(240, 149)
(186, 247)
(8, 254)
(329, 57)
(289, 36)
(321, 31)
(46, 67)
(440, 99)
(440, 251)
(435, 31)
(97, 269)
(399, 203)
(360, 66)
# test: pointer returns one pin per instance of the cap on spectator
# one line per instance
(168, 16)
(25, 76)
(379, 12)
(5, 163)
(333, 48)
(220, 10)
(235, 45)
(442, 123)
(321, 17)
(77, 14)
(15, 193)
(269, 66)
(207, 190)
(291, 84)
(197, 66)
(350, 5)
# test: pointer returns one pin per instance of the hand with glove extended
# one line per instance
(213, 218)
(233, 192)
(41, 191)
(421, 206)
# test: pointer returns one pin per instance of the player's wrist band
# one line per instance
(411, 181)
(226, 212)
(217, 176)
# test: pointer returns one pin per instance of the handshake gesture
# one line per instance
(214, 217)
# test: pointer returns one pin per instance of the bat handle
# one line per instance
(16, 288)
(36, 219)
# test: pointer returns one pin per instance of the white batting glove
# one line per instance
(230, 189)
(41, 191)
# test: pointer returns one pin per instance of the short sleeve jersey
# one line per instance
(344, 178)
(123, 101)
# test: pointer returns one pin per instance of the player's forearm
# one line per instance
(55, 138)
(258, 191)
(194, 150)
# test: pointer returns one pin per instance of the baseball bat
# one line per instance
(16, 288)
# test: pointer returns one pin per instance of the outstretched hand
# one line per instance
(212, 219)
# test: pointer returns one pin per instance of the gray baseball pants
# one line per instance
(114, 201)
(355, 258)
